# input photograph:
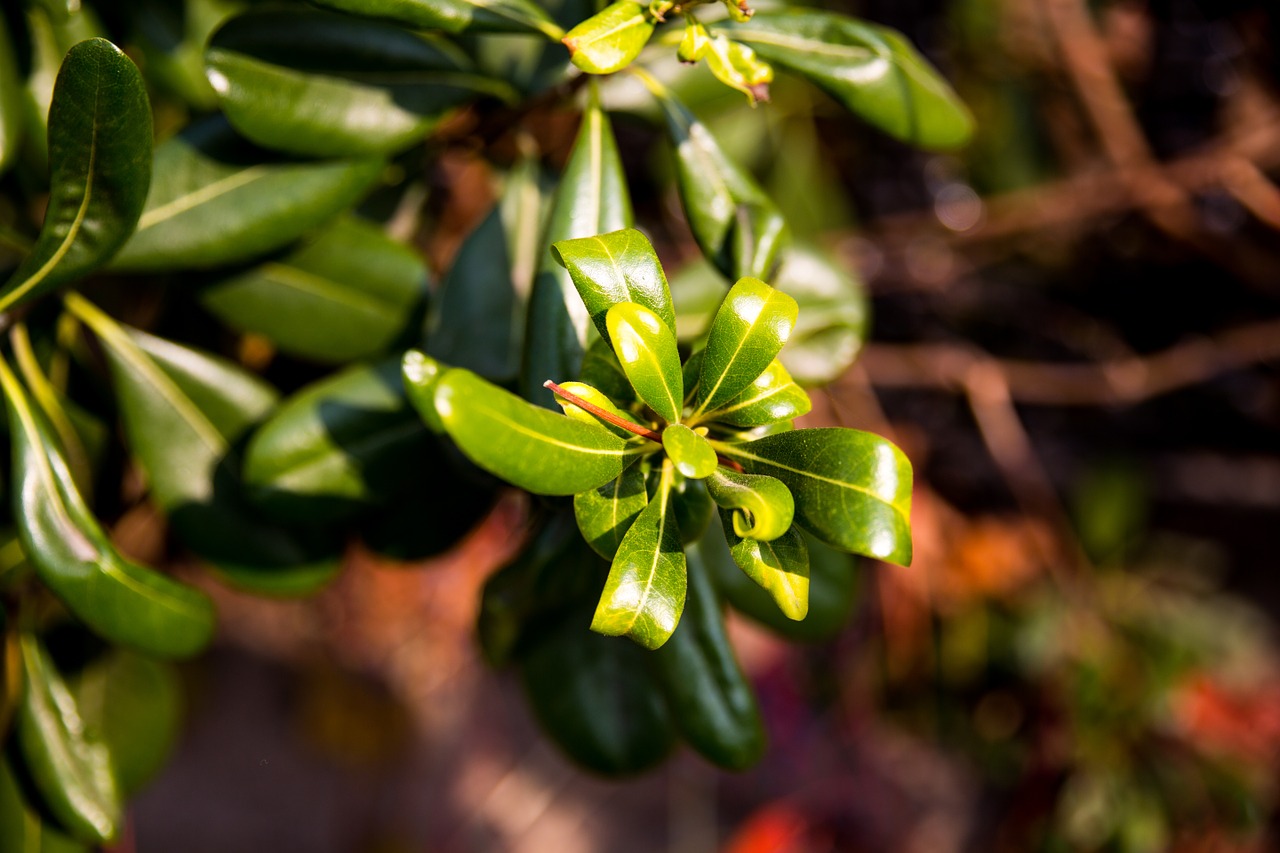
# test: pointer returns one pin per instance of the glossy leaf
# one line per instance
(646, 349)
(70, 768)
(609, 269)
(454, 16)
(539, 451)
(100, 166)
(51, 37)
(737, 66)
(477, 321)
(833, 315)
(773, 396)
(215, 200)
(172, 35)
(780, 567)
(736, 224)
(852, 489)
(339, 446)
(695, 43)
(609, 40)
(759, 507)
(690, 452)
(600, 401)
(323, 85)
(605, 514)
(645, 592)
(120, 600)
(872, 70)
(22, 829)
(592, 199)
(601, 370)
(420, 373)
(10, 100)
(693, 507)
(348, 293)
(710, 698)
(748, 332)
(183, 410)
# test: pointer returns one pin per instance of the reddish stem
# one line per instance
(603, 414)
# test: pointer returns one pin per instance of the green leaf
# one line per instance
(710, 699)
(773, 396)
(691, 453)
(135, 705)
(69, 766)
(10, 101)
(693, 507)
(738, 67)
(478, 317)
(420, 373)
(748, 332)
(454, 16)
(349, 293)
(762, 507)
(183, 410)
(852, 489)
(605, 514)
(172, 35)
(339, 446)
(50, 39)
(592, 199)
(122, 601)
(695, 43)
(539, 451)
(646, 349)
(99, 161)
(609, 269)
(872, 70)
(323, 85)
(601, 370)
(609, 40)
(780, 567)
(600, 401)
(833, 315)
(215, 200)
(22, 829)
(736, 224)
(645, 592)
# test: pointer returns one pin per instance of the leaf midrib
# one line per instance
(733, 450)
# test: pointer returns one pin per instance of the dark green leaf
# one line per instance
(349, 293)
(10, 101)
(22, 830)
(691, 453)
(216, 200)
(748, 332)
(645, 592)
(605, 514)
(50, 38)
(454, 16)
(609, 40)
(172, 35)
(100, 166)
(761, 507)
(601, 370)
(872, 70)
(737, 225)
(478, 318)
(339, 446)
(120, 600)
(693, 507)
(773, 396)
(609, 269)
(540, 451)
(422, 521)
(592, 198)
(646, 349)
(780, 567)
(852, 489)
(710, 699)
(70, 767)
(325, 85)
(833, 316)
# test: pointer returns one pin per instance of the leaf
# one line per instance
(737, 66)
(762, 507)
(215, 200)
(21, 827)
(99, 161)
(736, 224)
(349, 293)
(646, 349)
(689, 452)
(539, 451)
(172, 35)
(421, 373)
(10, 101)
(592, 198)
(70, 768)
(477, 321)
(454, 16)
(122, 601)
(773, 396)
(644, 594)
(183, 410)
(135, 705)
(342, 445)
(779, 566)
(601, 370)
(425, 522)
(708, 695)
(748, 332)
(600, 401)
(852, 489)
(693, 507)
(605, 514)
(323, 85)
(609, 269)
(609, 40)
(833, 315)
(872, 70)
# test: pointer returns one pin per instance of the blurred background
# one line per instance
(1074, 332)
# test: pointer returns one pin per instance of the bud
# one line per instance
(610, 40)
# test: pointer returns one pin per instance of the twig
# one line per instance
(602, 414)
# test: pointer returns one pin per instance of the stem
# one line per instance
(602, 414)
